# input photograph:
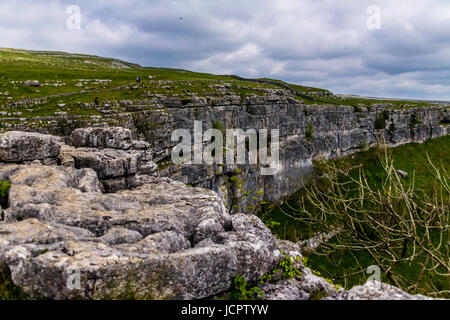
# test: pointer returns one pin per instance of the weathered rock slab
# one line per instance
(374, 290)
(62, 238)
(18, 146)
(284, 290)
(102, 137)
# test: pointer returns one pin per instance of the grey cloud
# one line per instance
(314, 42)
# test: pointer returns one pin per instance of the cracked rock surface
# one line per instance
(374, 290)
(63, 237)
(58, 222)
(27, 146)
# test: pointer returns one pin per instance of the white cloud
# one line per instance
(315, 42)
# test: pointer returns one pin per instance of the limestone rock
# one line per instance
(27, 146)
(374, 290)
(32, 83)
(108, 163)
(59, 226)
(284, 290)
(167, 242)
(116, 236)
(311, 283)
(101, 137)
(117, 169)
(61, 237)
(254, 244)
(337, 131)
(318, 239)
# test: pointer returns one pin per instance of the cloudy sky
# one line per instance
(377, 47)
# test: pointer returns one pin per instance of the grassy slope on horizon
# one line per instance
(61, 74)
(77, 76)
(411, 158)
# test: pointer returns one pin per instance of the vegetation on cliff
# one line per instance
(400, 224)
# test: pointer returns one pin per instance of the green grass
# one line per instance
(411, 158)
(241, 291)
(63, 89)
(61, 74)
(8, 291)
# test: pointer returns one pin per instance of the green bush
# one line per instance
(241, 290)
(307, 112)
(364, 145)
(380, 122)
(219, 126)
(356, 109)
(309, 132)
(285, 268)
(413, 121)
(243, 98)
(392, 127)
(196, 113)
(4, 192)
(8, 291)
(380, 215)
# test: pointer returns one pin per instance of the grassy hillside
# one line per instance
(67, 80)
(70, 79)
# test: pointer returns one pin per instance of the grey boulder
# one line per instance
(32, 83)
(374, 290)
(101, 137)
(61, 238)
(18, 146)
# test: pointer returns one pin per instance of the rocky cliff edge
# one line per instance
(89, 218)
